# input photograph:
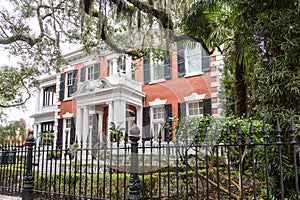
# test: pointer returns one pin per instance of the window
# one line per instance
(195, 108)
(90, 72)
(156, 69)
(67, 132)
(121, 64)
(69, 85)
(47, 127)
(47, 133)
(68, 123)
(158, 112)
(192, 59)
(49, 96)
(157, 122)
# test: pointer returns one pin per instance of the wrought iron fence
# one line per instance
(232, 166)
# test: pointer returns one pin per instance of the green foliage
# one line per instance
(47, 138)
(116, 132)
(188, 128)
(54, 154)
(16, 85)
(14, 132)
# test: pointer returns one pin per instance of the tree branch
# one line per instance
(15, 38)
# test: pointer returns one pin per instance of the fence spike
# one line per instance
(278, 128)
(292, 126)
(278, 131)
(292, 130)
(159, 135)
(264, 129)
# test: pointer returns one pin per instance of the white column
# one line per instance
(79, 120)
(38, 98)
(120, 113)
(85, 126)
(139, 118)
(109, 120)
(101, 135)
(37, 130)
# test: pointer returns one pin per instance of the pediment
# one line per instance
(92, 86)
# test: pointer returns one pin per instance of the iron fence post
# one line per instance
(134, 181)
(28, 178)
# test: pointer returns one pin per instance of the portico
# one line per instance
(102, 101)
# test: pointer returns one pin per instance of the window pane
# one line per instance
(158, 112)
(69, 84)
(122, 63)
(195, 108)
(90, 75)
(194, 57)
(68, 123)
(158, 70)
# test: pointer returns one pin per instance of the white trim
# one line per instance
(214, 94)
(157, 102)
(194, 97)
(215, 74)
(215, 84)
(90, 62)
(193, 74)
(69, 68)
(67, 115)
(157, 81)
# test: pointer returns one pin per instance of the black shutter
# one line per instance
(146, 67)
(62, 87)
(59, 133)
(167, 67)
(205, 61)
(168, 115)
(181, 110)
(72, 132)
(96, 70)
(82, 74)
(74, 80)
(146, 123)
(180, 59)
(207, 109)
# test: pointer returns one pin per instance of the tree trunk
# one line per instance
(240, 90)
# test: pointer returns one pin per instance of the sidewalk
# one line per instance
(4, 197)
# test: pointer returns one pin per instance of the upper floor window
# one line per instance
(122, 64)
(67, 84)
(156, 69)
(49, 95)
(90, 72)
(192, 59)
